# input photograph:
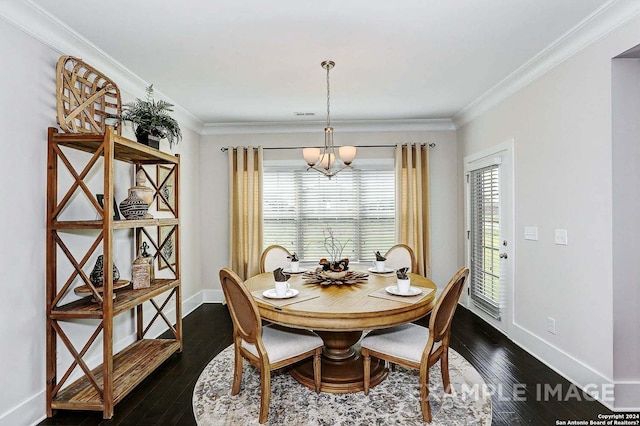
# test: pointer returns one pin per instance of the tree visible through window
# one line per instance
(484, 189)
(358, 205)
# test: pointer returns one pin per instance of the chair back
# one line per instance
(244, 312)
(274, 257)
(445, 307)
(401, 256)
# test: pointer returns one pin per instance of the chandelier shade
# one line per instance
(325, 160)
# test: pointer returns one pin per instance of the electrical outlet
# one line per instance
(551, 325)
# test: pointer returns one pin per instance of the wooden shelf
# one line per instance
(119, 373)
(125, 300)
(130, 367)
(117, 224)
(123, 149)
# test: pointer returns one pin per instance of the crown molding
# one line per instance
(317, 126)
(50, 31)
(39, 24)
(606, 19)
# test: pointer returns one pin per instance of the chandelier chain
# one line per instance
(328, 98)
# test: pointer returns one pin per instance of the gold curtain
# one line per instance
(412, 202)
(245, 210)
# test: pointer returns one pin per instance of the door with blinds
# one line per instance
(489, 219)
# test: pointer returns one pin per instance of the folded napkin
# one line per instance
(280, 275)
(402, 274)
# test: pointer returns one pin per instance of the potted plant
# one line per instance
(151, 120)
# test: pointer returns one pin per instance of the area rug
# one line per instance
(394, 401)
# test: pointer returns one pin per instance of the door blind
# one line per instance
(485, 283)
(357, 206)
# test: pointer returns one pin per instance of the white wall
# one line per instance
(27, 85)
(561, 123)
(214, 194)
(626, 229)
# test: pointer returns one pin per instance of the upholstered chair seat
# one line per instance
(406, 341)
(284, 343)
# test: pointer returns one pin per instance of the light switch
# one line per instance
(561, 237)
(531, 233)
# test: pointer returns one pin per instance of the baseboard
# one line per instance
(572, 369)
(627, 396)
(30, 412)
(213, 296)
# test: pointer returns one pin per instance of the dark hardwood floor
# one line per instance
(164, 398)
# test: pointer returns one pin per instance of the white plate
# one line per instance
(413, 291)
(271, 293)
(375, 271)
(299, 271)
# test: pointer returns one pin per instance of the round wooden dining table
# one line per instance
(340, 314)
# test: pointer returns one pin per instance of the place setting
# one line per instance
(281, 294)
(294, 265)
(379, 266)
(402, 290)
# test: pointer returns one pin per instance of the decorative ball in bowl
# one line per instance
(335, 266)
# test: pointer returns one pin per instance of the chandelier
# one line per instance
(324, 160)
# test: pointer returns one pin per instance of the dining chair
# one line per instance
(400, 256)
(274, 257)
(267, 348)
(417, 347)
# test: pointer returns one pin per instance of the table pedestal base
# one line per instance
(342, 370)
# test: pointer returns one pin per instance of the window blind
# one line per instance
(486, 287)
(357, 206)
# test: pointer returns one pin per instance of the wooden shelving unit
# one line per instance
(102, 387)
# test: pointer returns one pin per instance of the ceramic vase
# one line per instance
(97, 275)
(133, 207)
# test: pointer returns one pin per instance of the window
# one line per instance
(485, 239)
(358, 206)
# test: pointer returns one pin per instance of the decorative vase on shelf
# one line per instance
(133, 207)
(142, 191)
(97, 275)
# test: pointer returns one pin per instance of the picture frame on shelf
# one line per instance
(167, 190)
(116, 213)
(168, 250)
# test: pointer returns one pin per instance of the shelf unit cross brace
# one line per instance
(79, 180)
(78, 268)
(160, 313)
(77, 356)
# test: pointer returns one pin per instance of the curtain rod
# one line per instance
(431, 145)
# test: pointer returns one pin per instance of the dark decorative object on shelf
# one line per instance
(149, 258)
(97, 275)
(116, 214)
(151, 120)
(133, 207)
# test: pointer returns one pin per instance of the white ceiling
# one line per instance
(247, 61)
